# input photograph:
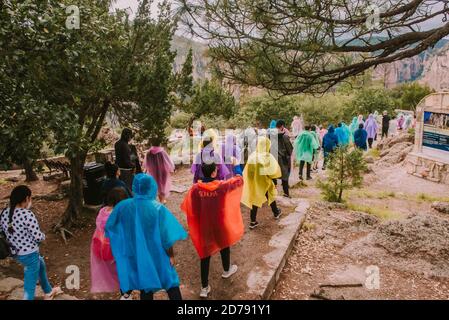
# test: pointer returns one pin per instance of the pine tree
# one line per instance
(345, 171)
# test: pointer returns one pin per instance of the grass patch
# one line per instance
(3, 181)
(375, 153)
(382, 213)
(424, 197)
(307, 226)
(373, 195)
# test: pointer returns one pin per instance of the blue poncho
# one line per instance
(343, 134)
(330, 140)
(141, 230)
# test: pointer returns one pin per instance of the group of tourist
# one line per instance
(132, 246)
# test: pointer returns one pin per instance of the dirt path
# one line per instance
(247, 254)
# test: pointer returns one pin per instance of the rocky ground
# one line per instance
(395, 227)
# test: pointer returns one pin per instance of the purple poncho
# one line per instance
(371, 127)
(208, 155)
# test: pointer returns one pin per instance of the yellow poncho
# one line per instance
(260, 170)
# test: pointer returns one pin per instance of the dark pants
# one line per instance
(285, 186)
(225, 261)
(301, 168)
(173, 294)
(370, 142)
(127, 176)
(384, 132)
(253, 213)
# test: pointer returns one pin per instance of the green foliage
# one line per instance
(407, 96)
(210, 98)
(345, 171)
(262, 109)
(180, 120)
(369, 100)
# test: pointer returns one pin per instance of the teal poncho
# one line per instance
(141, 230)
(354, 124)
(305, 144)
(343, 134)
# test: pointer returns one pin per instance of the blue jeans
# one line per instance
(34, 269)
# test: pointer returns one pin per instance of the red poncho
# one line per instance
(213, 215)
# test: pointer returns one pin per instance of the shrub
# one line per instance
(345, 171)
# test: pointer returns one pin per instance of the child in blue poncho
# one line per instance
(142, 233)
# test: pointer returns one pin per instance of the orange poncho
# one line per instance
(213, 215)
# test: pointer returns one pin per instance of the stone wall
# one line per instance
(423, 162)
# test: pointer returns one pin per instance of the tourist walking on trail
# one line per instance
(360, 119)
(296, 126)
(123, 158)
(215, 220)
(330, 143)
(142, 233)
(23, 234)
(229, 151)
(343, 134)
(208, 154)
(360, 138)
(112, 181)
(103, 270)
(385, 124)
(316, 153)
(159, 165)
(305, 146)
(354, 127)
(258, 175)
(284, 153)
(371, 128)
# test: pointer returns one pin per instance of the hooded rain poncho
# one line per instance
(305, 145)
(141, 230)
(258, 175)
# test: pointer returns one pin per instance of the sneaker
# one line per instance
(301, 178)
(126, 297)
(278, 214)
(205, 292)
(286, 196)
(253, 225)
(309, 178)
(227, 274)
(54, 292)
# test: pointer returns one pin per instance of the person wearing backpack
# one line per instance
(102, 264)
(24, 235)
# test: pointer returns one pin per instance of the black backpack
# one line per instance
(5, 247)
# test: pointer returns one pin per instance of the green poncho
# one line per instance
(305, 144)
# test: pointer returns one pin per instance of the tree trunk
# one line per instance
(29, 171)
(76, 200)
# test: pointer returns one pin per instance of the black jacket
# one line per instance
(123, 155)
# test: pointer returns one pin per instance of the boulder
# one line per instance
(442, 207)
(9, 284)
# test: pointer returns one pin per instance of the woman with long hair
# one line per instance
(24, 235)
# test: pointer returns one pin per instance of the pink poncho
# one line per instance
(159, 165)
(103, 273)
